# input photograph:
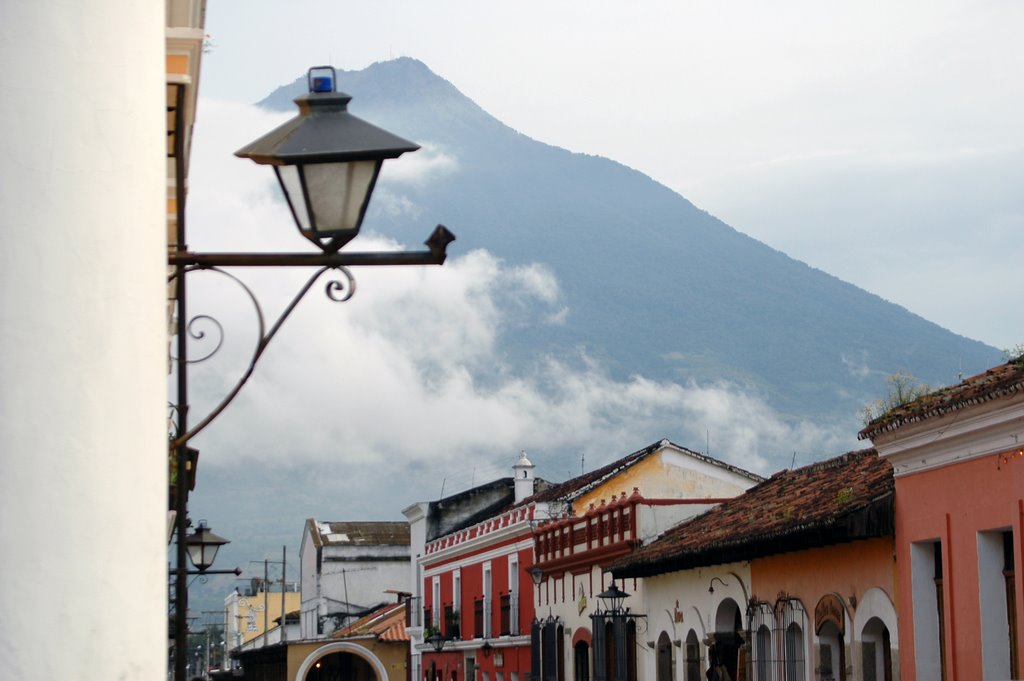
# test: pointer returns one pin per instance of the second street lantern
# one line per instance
(327, 161)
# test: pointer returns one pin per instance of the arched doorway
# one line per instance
(831, 653)
(581, 661)
(341, 662)
(581, 648)
(728, 643)
(341, 666)
(876, 651)
(665, 661)
(830, 626)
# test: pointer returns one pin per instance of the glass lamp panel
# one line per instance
(291, 183)
(338, 193)
(197, 555)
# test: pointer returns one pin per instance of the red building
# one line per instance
(472, 555)
(492, 612)
(958, 459)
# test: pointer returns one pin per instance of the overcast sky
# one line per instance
(878, 141)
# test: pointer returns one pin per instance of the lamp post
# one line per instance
(436, 641)
(327, 162)
(613, 645)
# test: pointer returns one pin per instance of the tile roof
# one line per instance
(385, 624)
(1001, 381)
(841, 499)
(575, 487)
(360, 533)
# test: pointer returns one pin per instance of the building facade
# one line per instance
(793, 580)
(251, 614)
(83, 334)
(958, 458)
(510, 584)
(471, 581)
(347, 570)
(602, 517)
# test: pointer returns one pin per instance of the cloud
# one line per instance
(408, 382)
(428, 163)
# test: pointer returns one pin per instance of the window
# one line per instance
(793, 623)
(664, 658)
(761, 616)
(457, 591)
(487, 601)
(547, 650)
(692, 657)
(505, 614)
(435, 602)
(927, 598)
(1011, 601)
(614, 647)
(996, 599)
(762, 653)
(512, 625)
(794, 652)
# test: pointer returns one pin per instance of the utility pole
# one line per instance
(284, 585)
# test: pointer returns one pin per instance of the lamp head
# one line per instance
(202, 546)
(436, 642)
(613, 598)
(327, 161)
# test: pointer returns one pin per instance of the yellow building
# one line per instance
(250, 615)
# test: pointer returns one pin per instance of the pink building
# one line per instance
(958, 460)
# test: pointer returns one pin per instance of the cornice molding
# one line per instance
(956, 437)
(446, 558)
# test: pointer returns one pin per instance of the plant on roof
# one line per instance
(844, 496)
(1015, 355)
(901, 388)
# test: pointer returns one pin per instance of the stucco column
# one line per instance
(83, 341)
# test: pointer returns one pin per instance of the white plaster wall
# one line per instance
(684, 595)
(309, 585)
(83, 345)
(362, 583)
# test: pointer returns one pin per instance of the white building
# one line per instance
(349, 569)
(83, 335)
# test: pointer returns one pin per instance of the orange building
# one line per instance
(792, 580)
(958, 458)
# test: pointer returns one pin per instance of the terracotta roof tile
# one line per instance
(841, 499)
(1001, 381)
(386, 624)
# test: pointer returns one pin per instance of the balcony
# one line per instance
(508, 620)
(451, 622)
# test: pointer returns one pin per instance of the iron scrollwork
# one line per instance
(338, 290)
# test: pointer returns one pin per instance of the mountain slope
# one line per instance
(654, 286)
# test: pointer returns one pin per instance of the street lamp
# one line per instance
(436, 641)
(327, 162)
(202, 546)
(612, 599)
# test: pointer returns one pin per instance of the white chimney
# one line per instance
(523, 471)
